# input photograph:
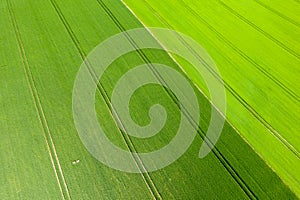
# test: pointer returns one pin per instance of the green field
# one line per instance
(43, 44)
(248, 65)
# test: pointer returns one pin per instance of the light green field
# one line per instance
(258, 56)
(41, 50)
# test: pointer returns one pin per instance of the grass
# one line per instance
(47, 42)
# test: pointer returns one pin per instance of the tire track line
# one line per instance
(146, 177)
(246, 57)
(280, 44)
(39, 109)
(132, 146)
(245, 103)
(229, 168)
(260, 68)
(292, 21)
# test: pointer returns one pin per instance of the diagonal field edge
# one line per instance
(238, 97)
(218, 154)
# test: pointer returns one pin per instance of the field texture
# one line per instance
(41, 49)
(256, 47)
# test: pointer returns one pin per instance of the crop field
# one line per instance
(255, 45)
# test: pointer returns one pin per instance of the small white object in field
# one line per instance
(75, 162)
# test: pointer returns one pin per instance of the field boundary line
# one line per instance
(256, 115)
(151, 186)
(227, 121)
(242, 18)
(277, 13)
(40, 112)
(181, 68)
(205, 95)
(233, 173)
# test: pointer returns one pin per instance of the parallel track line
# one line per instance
(217, 153)
(233, 92)
(146, 177)
(285, 88)
(267, 35)
(292, 21)
(40, 112)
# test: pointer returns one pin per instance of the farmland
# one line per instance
(42, 48)
(253, 68)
